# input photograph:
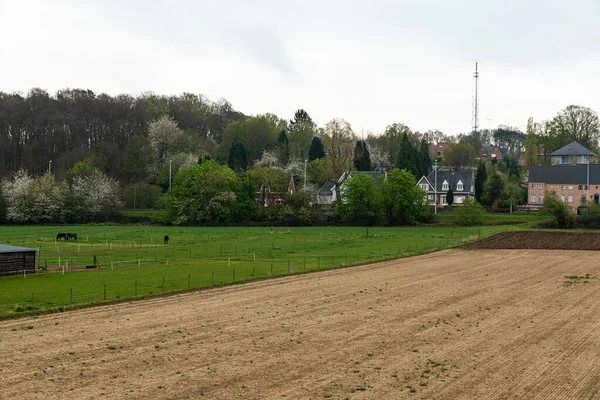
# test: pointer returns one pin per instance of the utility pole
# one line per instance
(435, 187)
(50, 166)
(587, 187)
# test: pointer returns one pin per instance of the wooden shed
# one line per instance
(14, 260)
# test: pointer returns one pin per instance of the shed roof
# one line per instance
(4, 248)
(573, 149)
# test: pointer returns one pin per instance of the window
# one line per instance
(533, 198)
(570, 199)
(562, 198)
(424, 186)
(445, 185)
(564, 159)
(580, 187)
(459, 186)
(540, 185)
(279, 202)
(533, 185)
(583, 199)
(564, 187)
(570, 187)
(541, 199)
(586, 187)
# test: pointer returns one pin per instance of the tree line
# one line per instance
(145, 147)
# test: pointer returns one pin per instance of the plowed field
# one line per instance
(539, 240)
(456, 324)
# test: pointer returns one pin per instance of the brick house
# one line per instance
(461, 181)
(568, 183)
(436, 151)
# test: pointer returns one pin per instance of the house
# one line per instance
(493, 152)
(327, 194)
(269, 198)
(436, 151)
(571, 154)
(16, 260)
(461, 181)
(568, 183)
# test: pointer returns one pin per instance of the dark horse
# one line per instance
(66, 236)
(166, 239)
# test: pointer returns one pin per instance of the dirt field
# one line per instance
(539, 240)
(458, 324)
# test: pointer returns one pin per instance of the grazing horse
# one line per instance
(71, 236)
(166, 239)
(61, 236)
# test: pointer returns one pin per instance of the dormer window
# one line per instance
(459, 186)
(445, 185)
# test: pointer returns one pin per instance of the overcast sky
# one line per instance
(372, 63)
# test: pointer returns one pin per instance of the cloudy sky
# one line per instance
(372, 63)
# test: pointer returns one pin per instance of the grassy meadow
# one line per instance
(134, 262)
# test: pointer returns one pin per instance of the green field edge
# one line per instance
(14, 315)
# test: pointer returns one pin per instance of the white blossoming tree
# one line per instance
(96, 196)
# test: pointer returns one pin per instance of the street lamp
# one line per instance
(435, 187)
(50, 166)
(170, 169)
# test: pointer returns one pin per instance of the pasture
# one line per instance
(456, 324)
(134, 262)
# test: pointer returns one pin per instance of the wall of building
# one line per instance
(15, 263)
(568, 193)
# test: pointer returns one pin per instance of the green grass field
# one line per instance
(135, 262)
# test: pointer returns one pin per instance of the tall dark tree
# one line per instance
(238, 157)
(407, 158)
(480, 178)
(362, 158)
(424, 159)
(495, 188)
(300, 117)
(283, 148)
(450, 197)
(317, 150)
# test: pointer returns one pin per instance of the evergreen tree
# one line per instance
(362, 158)
(480, 179)
(495, 188)
(407, 158)
(317, 150)
(425, 160)
(450, 197)
(238, 157)
(283, 148)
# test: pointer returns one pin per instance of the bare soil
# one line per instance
(539, 240)
(489, 324)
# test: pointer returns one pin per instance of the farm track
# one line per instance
(485, 324)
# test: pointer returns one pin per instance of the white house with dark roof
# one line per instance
(461, 181)
(327, 194)
(571, 154)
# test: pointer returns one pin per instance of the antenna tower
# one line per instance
(476, 100)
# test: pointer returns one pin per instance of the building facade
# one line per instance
(567, 183)
(461, 181)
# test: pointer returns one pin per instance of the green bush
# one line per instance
(562, 217)
(471, 213)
